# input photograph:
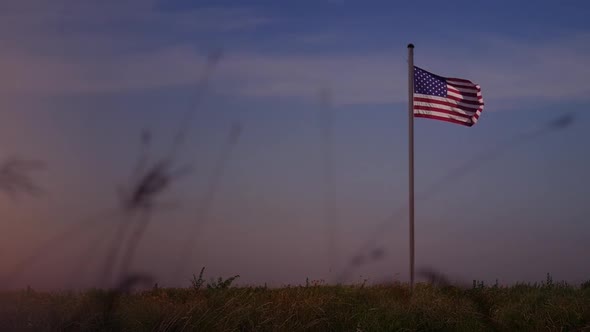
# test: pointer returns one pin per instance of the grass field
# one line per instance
(220, 307)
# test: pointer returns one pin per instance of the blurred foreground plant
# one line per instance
(15, 176)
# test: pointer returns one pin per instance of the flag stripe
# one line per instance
(434, 107)
(427, 98)
(468, 124)
(420, 109)
(463, 96)
(458, 88)
(465, 92)
(459, 80)
(466, 108)
(463, 100)
(463, 85)
(443, 114)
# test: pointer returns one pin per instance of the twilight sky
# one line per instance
(506, 199)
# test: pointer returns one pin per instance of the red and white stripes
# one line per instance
(463, 104)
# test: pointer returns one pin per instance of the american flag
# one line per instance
(454, 100)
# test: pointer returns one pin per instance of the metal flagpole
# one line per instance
(411, 155)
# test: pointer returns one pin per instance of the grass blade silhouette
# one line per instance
(204, 208)
(326, 124)
(133, 242)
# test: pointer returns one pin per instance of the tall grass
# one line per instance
(522, 307)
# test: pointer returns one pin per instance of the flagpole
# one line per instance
(411, 155)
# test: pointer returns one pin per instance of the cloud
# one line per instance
(353, 79)
(509, 71)
(70, 46)
(43, 20)
(516, 69)
(356, 79)
(506, 69)
(524, 72)
(46, 75)
(220, 19)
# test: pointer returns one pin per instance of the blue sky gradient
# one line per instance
(82, 79)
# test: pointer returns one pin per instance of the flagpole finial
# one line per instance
(410, 45)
